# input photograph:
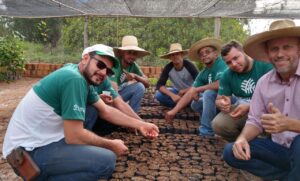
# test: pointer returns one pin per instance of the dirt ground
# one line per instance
(10, 95)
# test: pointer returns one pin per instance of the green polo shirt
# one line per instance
(67, 92)
(106, 86)
(212, 74)
(119, 77)
(242, 84)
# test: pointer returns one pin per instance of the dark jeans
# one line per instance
(269, 160)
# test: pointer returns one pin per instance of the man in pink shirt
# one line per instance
(274, 108)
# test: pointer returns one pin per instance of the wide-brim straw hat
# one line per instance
(130, 43)
(212, 42)
(175, 48)
(255, 45)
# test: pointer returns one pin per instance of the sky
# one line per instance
(260, 25)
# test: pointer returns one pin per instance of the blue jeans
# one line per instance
(165, 99)
(206, 106)
(269, 160)
(96, 124)
(133, 93)
(91, 116)
(60, 161)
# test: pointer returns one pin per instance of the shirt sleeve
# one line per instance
(74, 99)
(108, 87)
(199, 82)
(224, 84)
(257, 106)
(191, 68)
(164, 76)
(137, 70)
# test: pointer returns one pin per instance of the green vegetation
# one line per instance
(11, 59)
(153, 82)
(36, 52)
(60, 40)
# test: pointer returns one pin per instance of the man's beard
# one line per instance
(87, 75)
(247, 64)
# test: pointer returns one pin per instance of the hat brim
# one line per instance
(193, 53)
(140, 52)
(255, 46)
(167, 56)
(114, 59)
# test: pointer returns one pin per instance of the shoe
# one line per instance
(249, 176)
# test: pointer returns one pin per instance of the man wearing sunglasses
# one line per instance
(49, 122)
(110, 96)
(129, 80)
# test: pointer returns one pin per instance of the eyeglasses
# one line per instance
(204, 52)
(101, 65)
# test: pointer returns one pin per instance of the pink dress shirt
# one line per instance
(284, 95)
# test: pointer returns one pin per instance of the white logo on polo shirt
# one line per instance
(248, 86)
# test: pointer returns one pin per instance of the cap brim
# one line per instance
(193, 53)
(255, 46)
(114, 59)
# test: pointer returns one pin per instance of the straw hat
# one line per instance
(193, 53)
(174, 48)
(255, 44)
(104, 50)
(130, 43)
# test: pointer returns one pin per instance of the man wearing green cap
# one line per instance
(111, 97)
(48, 122)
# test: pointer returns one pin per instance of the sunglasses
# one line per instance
(101, 65)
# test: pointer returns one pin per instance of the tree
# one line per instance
(45, 31)
(154, 34)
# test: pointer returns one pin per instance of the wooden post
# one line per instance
(217, 27)
(85, 32)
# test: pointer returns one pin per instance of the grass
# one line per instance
(34, 52)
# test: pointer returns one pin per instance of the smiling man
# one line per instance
(235, 91)
(274, 108)
(204, 90)
(181, 73)
(129, 80)
(48, 122)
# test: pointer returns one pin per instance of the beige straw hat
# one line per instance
(174, 48)
(130, 43)
(255, 44)
(193, 53)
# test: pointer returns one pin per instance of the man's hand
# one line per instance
(149, 130)
(107, 99)
(240, 111)
(169, 117)
(182, 92)
(223, 103)
(118, 147)
(196, 96)
(275, 121)
(241, 149)
(175, 98)
(130, 76)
